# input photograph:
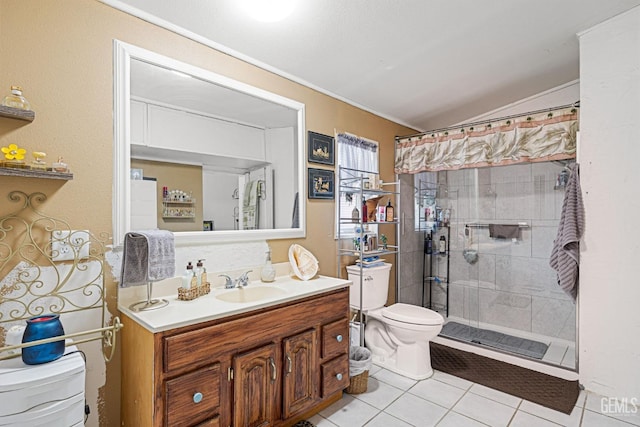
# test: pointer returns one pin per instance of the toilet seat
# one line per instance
(413, 314)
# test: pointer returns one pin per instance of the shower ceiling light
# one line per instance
(269, 10)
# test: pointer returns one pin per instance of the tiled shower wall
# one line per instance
(511, 285)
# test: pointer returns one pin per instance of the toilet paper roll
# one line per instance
(14, 335)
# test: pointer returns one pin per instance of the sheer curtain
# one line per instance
(354, 153)
(357, 153)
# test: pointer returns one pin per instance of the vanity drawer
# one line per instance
(335, 375)
(335, 338)
(213, 422)
(193, 398)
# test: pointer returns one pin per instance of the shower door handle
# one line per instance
(402, 223)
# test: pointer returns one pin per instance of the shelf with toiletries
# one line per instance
(367, 216)
(34, 173)
(178, 204)
(178, 212)
(436, 266)
(434, 219)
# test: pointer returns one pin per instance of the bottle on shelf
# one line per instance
(16, 100)
(355, 214)
(388, 212)
(428, 244)
(364, 210)
(447, 217)
(442, 247)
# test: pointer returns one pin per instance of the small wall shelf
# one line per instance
(34, 173)
(178, 209)
(16, 113)
(178, 205)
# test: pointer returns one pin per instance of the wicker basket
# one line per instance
(193, 293)
(358, 383)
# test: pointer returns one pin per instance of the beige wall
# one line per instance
(60, 52)
(175, 176)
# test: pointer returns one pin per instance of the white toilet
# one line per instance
(398, 336)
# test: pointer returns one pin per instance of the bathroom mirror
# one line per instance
(236, 152)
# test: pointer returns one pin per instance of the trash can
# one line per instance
(359, 365)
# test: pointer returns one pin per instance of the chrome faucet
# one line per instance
(228, 283)
(240, 282)
(243, 280)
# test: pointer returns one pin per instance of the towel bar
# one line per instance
(521, 225)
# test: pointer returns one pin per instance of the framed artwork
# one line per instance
(207, 225)
(321, 184)
(320, 148)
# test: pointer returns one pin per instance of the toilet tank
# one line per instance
(375, 286)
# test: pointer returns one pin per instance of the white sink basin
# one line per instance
(250, 294)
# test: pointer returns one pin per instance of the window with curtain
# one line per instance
(359, 154)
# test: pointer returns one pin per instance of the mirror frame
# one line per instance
(122, 55)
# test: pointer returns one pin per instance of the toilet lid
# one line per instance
(412, 314)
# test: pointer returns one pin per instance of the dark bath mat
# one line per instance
(522, 346)
(304, 423)
(546, 390)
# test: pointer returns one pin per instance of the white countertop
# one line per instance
(207, 307)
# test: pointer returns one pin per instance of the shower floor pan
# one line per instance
(489, 338)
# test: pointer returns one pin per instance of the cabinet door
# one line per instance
(255, 387)
(300, 375)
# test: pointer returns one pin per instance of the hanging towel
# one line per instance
(504, 231)
(250, 205)
(565, 256)
(148, 256)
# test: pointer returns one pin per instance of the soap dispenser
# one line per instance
(189, 278)
(201, 273)
(268, 273)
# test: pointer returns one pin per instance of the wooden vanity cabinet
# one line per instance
(299, 387)
(267, 367)
(255, 387)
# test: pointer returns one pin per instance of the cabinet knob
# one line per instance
(197, 397)
(339, 377)
(339, 338)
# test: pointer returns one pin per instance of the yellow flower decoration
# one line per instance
(12, 152)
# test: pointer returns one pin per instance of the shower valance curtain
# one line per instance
(527, 138)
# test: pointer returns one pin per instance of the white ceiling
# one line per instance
(424, 63)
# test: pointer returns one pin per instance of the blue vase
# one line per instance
(38, 328)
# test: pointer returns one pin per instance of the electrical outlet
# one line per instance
(69, 245)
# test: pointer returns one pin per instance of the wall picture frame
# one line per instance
(321, 184)
(320, 148)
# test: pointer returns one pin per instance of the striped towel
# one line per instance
(565, 256)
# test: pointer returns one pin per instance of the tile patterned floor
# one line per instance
(443, 400)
